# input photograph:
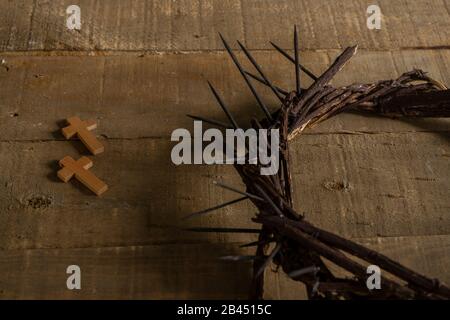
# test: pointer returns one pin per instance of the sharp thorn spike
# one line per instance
(268, 200)
(239, 258)
(224, 230)
(284, 53)
(215, 208)
(258, 68)
(222, 104)
(315, 288)
(220, 184)
(256, 243)
(296, 58)
(282, 91)
(210, 121)
(247, 80)
(300, 272)
(269, 258)
(250, 244)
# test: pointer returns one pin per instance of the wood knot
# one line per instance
(343, 186)
(39, 202)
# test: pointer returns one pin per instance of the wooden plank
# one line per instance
(427, 255)
(193, 24)
(177, 271)
(356, 185)
(138, 272)
(125, 92)
(380, 181)
(373, 185)
(147, 198)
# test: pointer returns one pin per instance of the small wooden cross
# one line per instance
(82, 129)
(79, 169)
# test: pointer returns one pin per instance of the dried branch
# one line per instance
(301, 246)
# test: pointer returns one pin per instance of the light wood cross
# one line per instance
(82, 129)
(79, 169)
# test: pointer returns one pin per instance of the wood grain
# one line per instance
(191, 25)
(132, 272)
(124, 92)
(165, 271)
(137, 67)
(355, 185)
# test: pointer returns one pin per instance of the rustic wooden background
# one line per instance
(138, 67)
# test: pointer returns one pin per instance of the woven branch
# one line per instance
(301, 246)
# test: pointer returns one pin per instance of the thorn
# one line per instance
(214, 208)
(239, 258)
(268, 200)
(300, 272)
(258, 68)
(224, 230)
(297, 67)
(247, 80)
(315, 288)
(282, 91)
(284, 53)
(222, 104)
(210, 121)
(256, 243)
(238, 191)
(269, 258)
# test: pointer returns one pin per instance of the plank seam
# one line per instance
(168, 137)
(108, 52)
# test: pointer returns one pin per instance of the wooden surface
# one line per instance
(169, 25)
(137, 67)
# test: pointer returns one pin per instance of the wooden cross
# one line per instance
(82, 129)
(79, 169)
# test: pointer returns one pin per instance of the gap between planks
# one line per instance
(344, 132)
(112, 52)
(372, 240)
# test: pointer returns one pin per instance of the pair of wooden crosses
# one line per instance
(79, 168)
